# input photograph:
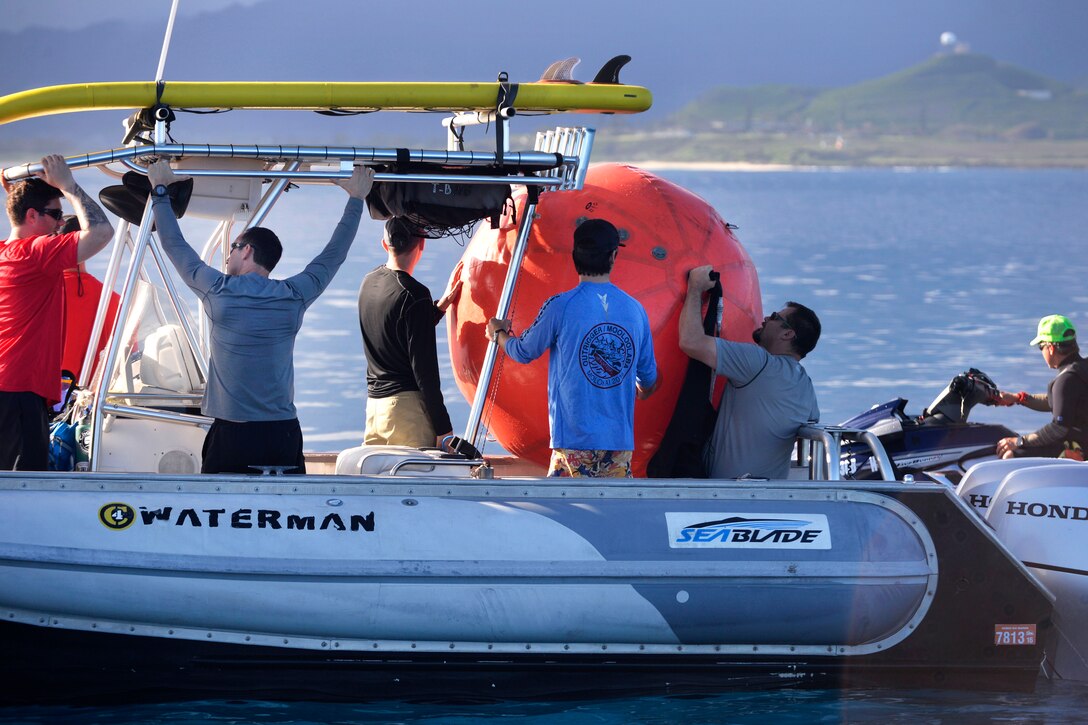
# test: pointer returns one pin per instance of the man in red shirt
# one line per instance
(32, 264)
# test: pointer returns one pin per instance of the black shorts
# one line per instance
(24, 432)
(236, 447)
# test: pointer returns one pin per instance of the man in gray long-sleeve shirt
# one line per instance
(251, 373)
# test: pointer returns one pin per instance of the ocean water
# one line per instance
(917, 275)
(1059, 703)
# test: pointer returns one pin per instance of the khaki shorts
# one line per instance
(399, 420)
(571, 463)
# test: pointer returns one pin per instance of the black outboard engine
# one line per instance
(966, 390)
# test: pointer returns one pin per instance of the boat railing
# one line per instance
(560, 161)
(168, 416)
(430, 463)
(819, 450)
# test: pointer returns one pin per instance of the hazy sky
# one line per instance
(681, 48)
(76, 14)
(807, 42)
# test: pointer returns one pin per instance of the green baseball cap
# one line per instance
(1055, 328)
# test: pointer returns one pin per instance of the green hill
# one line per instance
(961, 93)
(952, 110)
(967, 95)
(747, 109)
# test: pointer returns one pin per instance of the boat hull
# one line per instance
(1037, 507)
(155, 580)
(54, 666)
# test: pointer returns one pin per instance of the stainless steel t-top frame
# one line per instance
(559, 161)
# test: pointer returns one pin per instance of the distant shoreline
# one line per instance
(713, 151)
(7, 161)
(660, 165)
(752, 167)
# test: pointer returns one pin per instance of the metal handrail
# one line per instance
(115, 396)
(288, 174)
(526, 161)
(432, 462)
(824, 459)
(506, 298)
(128, 411)
(113, 349)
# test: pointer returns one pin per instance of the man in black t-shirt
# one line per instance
(397, 317)
(1066, 436)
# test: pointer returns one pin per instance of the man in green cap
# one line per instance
(1066, 436)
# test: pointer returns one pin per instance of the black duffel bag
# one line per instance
(441, 208)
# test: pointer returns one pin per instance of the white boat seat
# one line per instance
(978, 485)
(402, 460)
(167, 362)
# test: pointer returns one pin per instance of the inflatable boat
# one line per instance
(397, 573)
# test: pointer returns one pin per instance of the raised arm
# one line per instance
(313, 280)
(453, 291)
(693, 341)
(95, 229)
(191, 268)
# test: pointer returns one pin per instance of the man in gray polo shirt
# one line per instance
(251, 371)
(768, 395)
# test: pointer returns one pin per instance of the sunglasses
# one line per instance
(779, 319)
(238, 245)
(57, 214)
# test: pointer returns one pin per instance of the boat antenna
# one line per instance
(166, 41)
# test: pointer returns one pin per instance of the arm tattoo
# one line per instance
(86, 208)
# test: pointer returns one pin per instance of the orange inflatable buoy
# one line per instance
(667, 231)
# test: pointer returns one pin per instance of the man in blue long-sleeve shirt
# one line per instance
(601, 357)
(251, 373)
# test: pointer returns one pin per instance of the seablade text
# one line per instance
(745, 529)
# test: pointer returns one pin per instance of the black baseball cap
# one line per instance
(597, 235)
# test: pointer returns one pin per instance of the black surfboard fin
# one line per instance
(561, 71)
(610, 71)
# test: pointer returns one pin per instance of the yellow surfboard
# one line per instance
(537, 97)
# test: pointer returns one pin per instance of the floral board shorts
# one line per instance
(572, 463)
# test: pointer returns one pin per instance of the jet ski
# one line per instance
(938, 445)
